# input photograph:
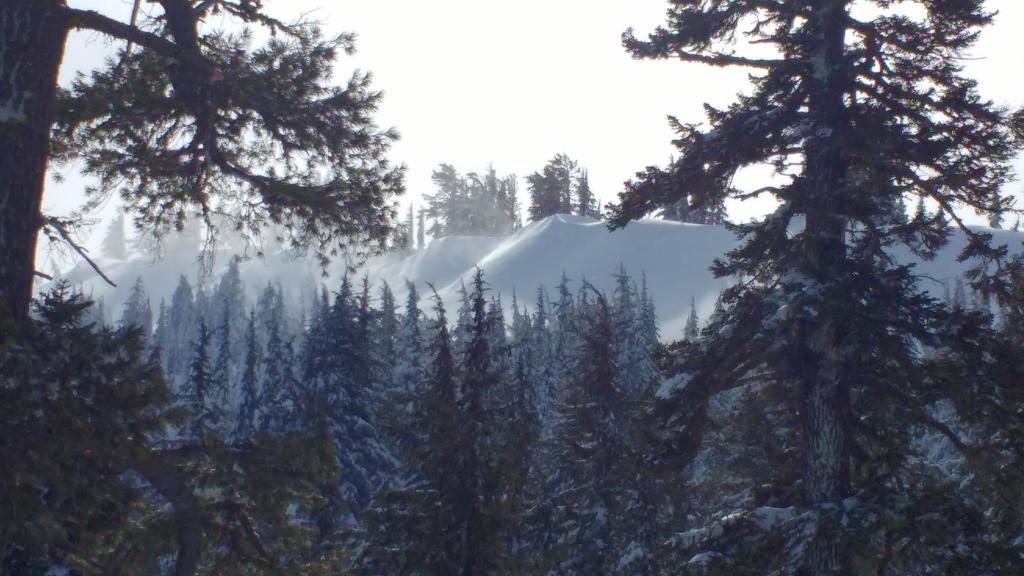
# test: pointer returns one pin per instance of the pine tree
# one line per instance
(200, 386)
(222, 385)
(339, 372)
(472, 204)
(865, 105)
(443, 443)
(402, 410)
(386, 329)
(402, 239)
(497, 338)
(270, 309)
(409, 365)
(421, 229)
(445, 206)
(137, 313)
(294, 117)
(115, 245)
(62, 472)
(692, 331)
(517, 447)
(162, 334)
(368, 347)
(586, 203)
(590, 446)
(181, 504)
(566, 173)
(97, 315)
(544, 376)
(410, 227)
(564, 336)
(632, 344)
(279, 400)
(512, 207)
(249, 383)
(463, 320)
(228, 312)
(181, 333)
(479, 512)
(552, 191)
(413, 527)
(648, 318)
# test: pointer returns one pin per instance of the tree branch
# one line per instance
(716, 59)
(62, 231)
(92, 20)
(116, 74)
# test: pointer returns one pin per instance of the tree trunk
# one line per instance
(175, 490)
(32, 36)
(825, 397)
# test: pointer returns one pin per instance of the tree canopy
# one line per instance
(858, 111)
(190, 120)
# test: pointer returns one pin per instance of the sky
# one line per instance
(476, 82)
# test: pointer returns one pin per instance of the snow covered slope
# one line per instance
(674, 258)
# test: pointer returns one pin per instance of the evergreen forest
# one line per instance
(836, 407)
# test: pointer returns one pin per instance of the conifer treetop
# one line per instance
(908, 124)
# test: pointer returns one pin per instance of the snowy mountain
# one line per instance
(674, 257)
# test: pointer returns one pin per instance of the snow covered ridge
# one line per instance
(674, 257)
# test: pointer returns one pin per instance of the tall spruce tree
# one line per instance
(586, 203)
(339, 372)
(60, 477)
(228, 313)
(386, 329)
(249, 392)
(513, 207)
(544, 373)
(137, 312)
(199, 387)
(410, 228)
(446, 206)
(182, 324)
(408, 369)
(520, 432)
(590, 446)
(692, 330)
(414, 527)
(857, 109)
(280, 397)
(477, 513)
(115, 245)
(162, 333)
(421, 229)
(224, 375)
(564, 330)
(549, 189)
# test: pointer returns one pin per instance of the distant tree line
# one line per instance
(561, 187)
(472, 204)
(488, 204)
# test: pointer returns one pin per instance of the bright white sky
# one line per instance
(470, 82)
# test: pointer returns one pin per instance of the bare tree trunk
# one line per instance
(32, 36)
